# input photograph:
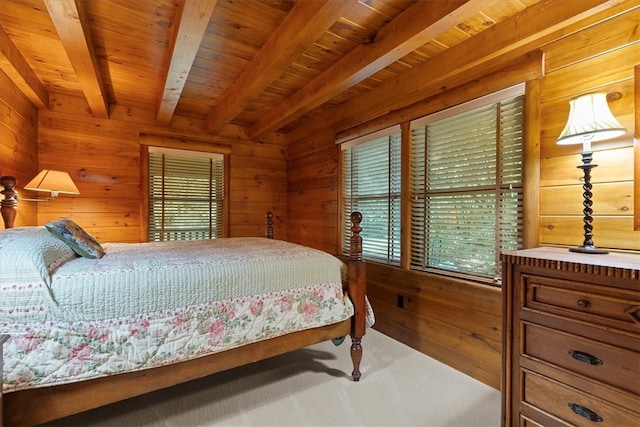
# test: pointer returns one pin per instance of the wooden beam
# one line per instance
(546, 21)
(414, 28)
(13, 64)
(71, 22)
(305, 24)
(191, 25)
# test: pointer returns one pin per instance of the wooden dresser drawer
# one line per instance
(573, 406)
(600, 305)
(610, 364)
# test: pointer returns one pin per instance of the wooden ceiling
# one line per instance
(266, 66)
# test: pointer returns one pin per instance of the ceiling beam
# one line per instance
(546, 21)
(13, 64)
(72, 25)
(191, 26)
(304, 25)
(414, 28)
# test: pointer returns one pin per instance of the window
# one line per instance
(186, 195)
(466, 185)
(371, 185)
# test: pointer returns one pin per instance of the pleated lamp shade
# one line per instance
(53, 181)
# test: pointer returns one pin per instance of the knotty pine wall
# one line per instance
(601, 58)
(103, 158)
(452, 320)
(18, 142)
(459, 322)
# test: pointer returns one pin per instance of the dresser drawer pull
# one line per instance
(583, 357)
(585, 412)
(583, 303)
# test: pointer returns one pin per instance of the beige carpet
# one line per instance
(313, 387)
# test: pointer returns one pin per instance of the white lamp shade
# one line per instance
(590, 120)
(53, 181)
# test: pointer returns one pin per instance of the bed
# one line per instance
(93, 324)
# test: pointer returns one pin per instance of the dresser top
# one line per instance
(628, 261)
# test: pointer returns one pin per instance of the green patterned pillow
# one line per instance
(72, 234)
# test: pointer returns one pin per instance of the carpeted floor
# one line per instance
(313, 387)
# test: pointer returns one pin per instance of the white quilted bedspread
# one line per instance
(146, 277)
(142, 306)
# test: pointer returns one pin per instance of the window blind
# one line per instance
(466, 186)
(371, 185)
(186, 195)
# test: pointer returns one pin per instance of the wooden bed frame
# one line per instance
(39, 405)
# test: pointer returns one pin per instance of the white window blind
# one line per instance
(371, 185)
(466, 186)
(186, 195)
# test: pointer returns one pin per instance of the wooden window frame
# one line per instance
(147, 140)
(473, 105)
(391, 258)
(636, 151)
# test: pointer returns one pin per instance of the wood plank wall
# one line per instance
(312, 170)
(452, 320)
(459, 322)
(598, 59)
(103, 158)
(18, 143)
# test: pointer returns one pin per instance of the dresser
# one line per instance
(571, 339)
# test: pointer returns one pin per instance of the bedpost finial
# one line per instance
(356, 217)
(8, 181)
(355, 247)
(9, 204)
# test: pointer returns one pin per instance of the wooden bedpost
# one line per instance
(357, 292)
(8, 205)
(269, 225)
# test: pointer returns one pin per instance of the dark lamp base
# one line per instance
(589, 250)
